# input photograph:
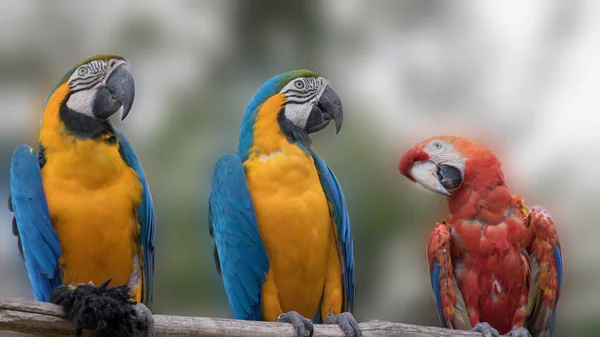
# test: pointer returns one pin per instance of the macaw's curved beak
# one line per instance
(119, 91)
(438, 179)
(328, 108)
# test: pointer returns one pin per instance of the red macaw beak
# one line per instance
(425, 173)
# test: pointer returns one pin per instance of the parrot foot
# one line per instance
(486, 330)
(146, 320)
(518, 332)
(347, 322)
(105, 311)
(304, 327)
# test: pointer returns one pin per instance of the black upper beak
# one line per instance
(329, 107)
(450, 177)
(437, 178)
(118, 92)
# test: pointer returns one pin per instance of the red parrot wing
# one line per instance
(546, 273)
(449, 302)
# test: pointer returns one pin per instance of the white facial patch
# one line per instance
(302, 94)
(81, 101)
(444, 153)
(84, 81)
(298, 114)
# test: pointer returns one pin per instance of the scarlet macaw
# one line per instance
(496, 265)
(82, 206)
(278, 215)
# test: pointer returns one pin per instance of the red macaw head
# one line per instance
(445, 164)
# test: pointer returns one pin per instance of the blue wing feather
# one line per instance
(41, 248)
(145, 215)
(559, 270)
(435, 285)
(335, 196)
(542, 313)
(559, 265)
(241, 253)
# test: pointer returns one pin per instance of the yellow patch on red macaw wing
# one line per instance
(520, 203)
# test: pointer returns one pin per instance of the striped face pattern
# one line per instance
(88, 75)
(84, 82)
(302, 93)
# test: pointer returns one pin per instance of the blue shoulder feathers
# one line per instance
(241, 254)
(145, 215)
(41, 248)
(335, 196)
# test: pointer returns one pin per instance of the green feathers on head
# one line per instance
(104, 57)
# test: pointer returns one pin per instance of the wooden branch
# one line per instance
(49, 320)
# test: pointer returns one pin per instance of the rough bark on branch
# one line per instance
(48, 320)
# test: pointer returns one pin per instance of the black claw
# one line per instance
(106, 311)
(15, 229)
(347, 322)
(486, 330)
(304, 327)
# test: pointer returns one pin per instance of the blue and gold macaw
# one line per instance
(82, 206)
(278, 215)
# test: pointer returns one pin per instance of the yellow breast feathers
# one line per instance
(293, 218)
(92, 195)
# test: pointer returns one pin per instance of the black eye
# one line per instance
(82, 71)
(299, 84)
(437, 145)
(112, 63)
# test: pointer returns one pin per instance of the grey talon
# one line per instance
(486, 330)
(145, 318)
(519, 332)
(304, 327)
(347, 322)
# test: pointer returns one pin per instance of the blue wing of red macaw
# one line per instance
(449, 303)
(39, 242)
(335, 196)
(240, 254)
(435, 285)
(145, 215)
(546, 273)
